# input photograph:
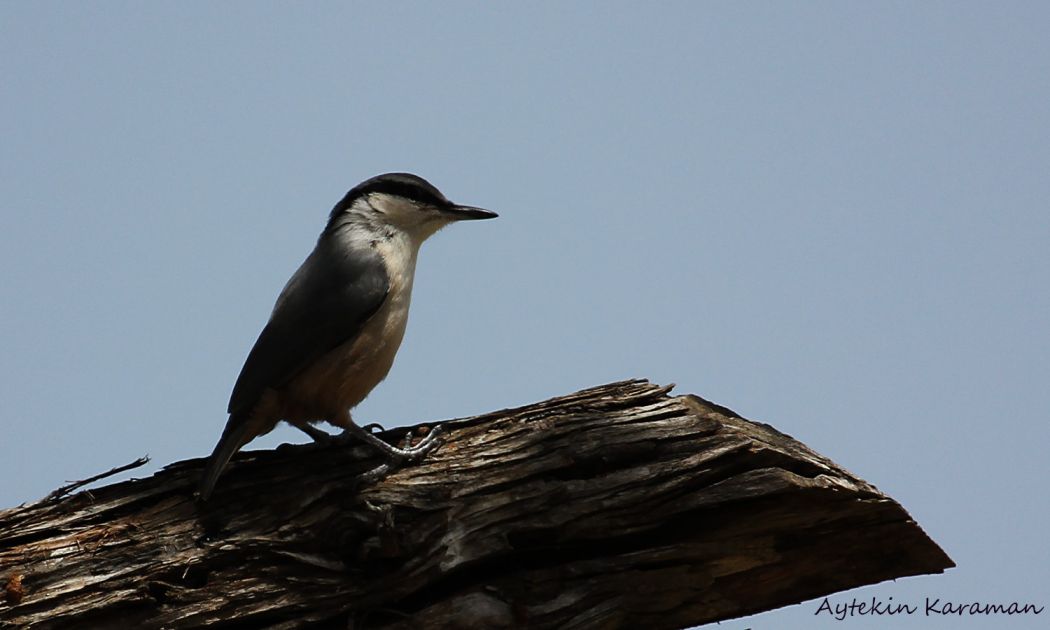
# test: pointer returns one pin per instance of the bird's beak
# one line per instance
(465, 213)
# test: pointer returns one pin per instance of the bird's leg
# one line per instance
(393, 452)
(317, 435)
(396, 457)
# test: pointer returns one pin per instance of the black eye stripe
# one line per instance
(404, 185)
(409, 190)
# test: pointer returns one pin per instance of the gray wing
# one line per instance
(325, 303)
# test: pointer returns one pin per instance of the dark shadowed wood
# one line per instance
(614, 507)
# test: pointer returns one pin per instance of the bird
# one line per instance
(339, 321)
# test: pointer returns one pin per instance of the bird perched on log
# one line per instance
(339, 321)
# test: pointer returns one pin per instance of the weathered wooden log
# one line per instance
(617, 506)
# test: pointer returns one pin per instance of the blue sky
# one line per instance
(832, 217)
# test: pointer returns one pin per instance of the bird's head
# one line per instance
(403, 202)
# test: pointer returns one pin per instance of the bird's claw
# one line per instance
(398, 457)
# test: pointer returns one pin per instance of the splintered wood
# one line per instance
(615, 507)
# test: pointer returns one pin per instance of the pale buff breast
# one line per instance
(345, 376)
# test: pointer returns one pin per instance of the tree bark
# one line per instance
(614, 507)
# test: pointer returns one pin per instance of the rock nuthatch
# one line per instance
(339, 321)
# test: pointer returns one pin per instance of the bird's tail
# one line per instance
(237, 433)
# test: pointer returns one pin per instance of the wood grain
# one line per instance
(614, 507)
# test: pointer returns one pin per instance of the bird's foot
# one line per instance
(396, 456)
(354, 433)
